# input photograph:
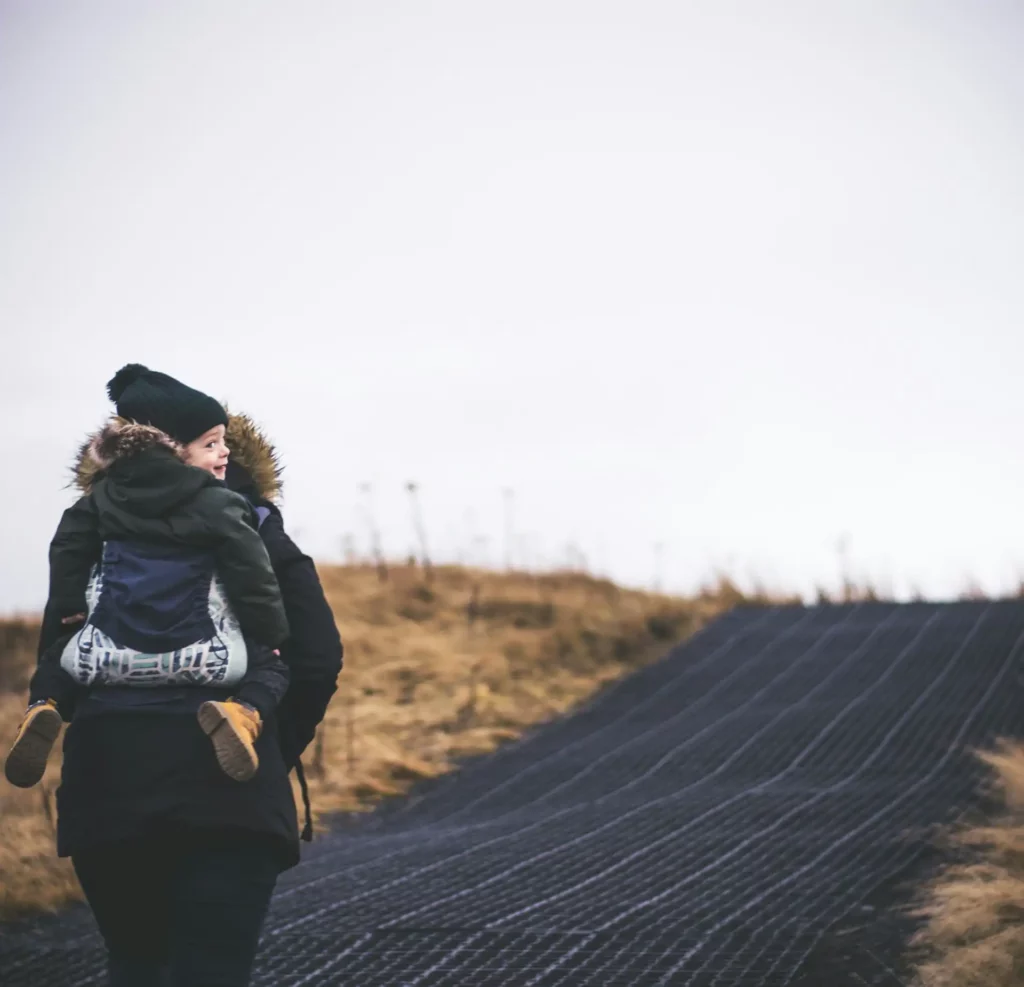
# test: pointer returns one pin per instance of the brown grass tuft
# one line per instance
(432, 674)
(974, 910)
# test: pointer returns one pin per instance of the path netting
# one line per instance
(704, 822)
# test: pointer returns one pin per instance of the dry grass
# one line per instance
(974, 910)
(423, 686)
(31, 876)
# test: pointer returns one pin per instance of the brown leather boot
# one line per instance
(233, 727)
(32, 744)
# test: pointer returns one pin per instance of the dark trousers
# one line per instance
(180, 912)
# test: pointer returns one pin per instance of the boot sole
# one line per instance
(26, 762)
(236, 758)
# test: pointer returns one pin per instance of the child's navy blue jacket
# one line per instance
(154, 554)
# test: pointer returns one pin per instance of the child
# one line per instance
(164, 566)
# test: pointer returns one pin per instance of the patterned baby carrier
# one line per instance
(157, 615)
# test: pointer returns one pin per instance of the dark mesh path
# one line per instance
(711, 820)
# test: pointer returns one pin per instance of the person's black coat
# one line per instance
(136, 764)
(313, 651)
(144, 767)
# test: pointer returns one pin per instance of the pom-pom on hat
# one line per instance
(152, 398)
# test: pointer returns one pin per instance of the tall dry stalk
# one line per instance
(421, 531)
(508, 500)
(374, 531)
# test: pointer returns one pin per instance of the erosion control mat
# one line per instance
(743, 812)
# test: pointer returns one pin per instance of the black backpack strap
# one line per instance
(307, 829)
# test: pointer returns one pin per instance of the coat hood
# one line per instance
(120, 438)
(254, 452)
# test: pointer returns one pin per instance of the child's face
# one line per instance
(209, 452)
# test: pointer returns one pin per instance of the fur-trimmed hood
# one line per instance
(255, 453)
(120, 438)
(123, 439)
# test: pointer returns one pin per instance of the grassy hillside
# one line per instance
(433, 672)
(974, 910)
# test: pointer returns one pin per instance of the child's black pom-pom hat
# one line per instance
(152, 398)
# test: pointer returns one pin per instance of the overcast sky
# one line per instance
(739, 277)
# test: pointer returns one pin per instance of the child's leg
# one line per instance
(233, 727)
(50, 690)
(50, 682)
(26, 761)
(265, 681)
